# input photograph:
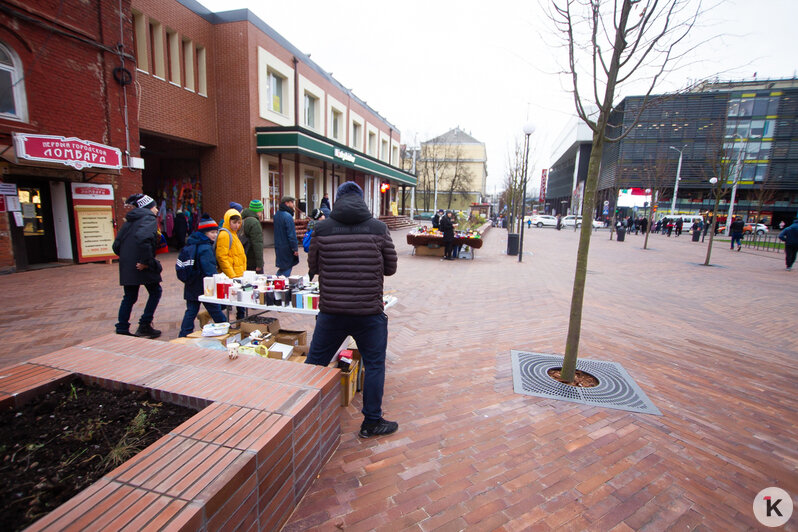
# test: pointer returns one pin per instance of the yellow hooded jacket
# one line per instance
(232, 259)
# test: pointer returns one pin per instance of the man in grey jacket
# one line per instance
(351, 252)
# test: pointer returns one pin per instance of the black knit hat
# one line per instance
(142, 201)
(349, 187)
(206, 223)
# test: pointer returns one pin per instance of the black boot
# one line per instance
(146, 331)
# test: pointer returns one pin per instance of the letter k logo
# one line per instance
(772, 506)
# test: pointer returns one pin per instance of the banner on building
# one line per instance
(93, 206)
(544, 174)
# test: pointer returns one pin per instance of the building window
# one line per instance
(394, 156)
(275, 92)
(311, 105)
(157, 49)
(173, 55)
(13, 104)
(372, 145)
(140, 37)
(202, 72)
(357, 135)
(188, 60)
(336, 120)
(384, 150)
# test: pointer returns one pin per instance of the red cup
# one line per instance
(222, 290)
(315, 301)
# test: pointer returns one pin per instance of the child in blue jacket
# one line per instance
(203, 238)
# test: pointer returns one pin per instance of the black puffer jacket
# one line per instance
(137, 242)
(351, 252)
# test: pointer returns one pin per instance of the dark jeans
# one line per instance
(736, 237)
(285, 271)
(192, 309)
(130, 298)
(447, 250)
(371, 335)
(789, 254)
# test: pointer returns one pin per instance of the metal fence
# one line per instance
(768, 242)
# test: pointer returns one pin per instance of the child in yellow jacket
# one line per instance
(230, 255)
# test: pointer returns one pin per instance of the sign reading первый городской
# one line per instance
(73, 152)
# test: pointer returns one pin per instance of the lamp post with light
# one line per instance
(529, 128)
(678, 178)
(737, 175)
(716, 184)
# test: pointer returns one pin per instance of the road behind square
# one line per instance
(713, 347)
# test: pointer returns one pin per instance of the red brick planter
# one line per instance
(264, 430)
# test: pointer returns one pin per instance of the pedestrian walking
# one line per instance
(679, 225)
(252, 235)
(286, 246)
(736, 230)
(351, 252)
(204, 260)
(135, 244)
(436, 220)
(644, 225)
(790, 237)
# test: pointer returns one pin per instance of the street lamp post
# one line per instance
(716, 184)
(738, 174)
(678, 173)
(529, 128)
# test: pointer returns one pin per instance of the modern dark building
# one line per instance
(752, 124)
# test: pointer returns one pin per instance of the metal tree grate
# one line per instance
(616, 389)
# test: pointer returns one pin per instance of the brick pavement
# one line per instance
(713, 348)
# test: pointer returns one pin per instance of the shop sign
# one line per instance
(92, 192)
(70, 151)
(93, 205)
(344, 155)
(8, 189)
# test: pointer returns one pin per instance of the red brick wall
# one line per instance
(173, 110)
(69, 84)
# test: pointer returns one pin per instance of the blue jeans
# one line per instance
(284, 271)
(130, 298)
(192, 309)
(371, 335)
(736, 237)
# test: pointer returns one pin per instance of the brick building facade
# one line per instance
(57, 78)
(216, 107)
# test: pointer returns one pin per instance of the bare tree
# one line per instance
(431, 166)
(458, 175)
(624, 41)
(513, 184)
(726, 168)
(656, 176)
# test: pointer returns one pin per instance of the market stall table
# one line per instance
(435, 241)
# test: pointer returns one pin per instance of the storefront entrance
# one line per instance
(34, 241)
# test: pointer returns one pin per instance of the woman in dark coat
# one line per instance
(136, 244)
(447, 228)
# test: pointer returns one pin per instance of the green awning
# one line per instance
(298, 140)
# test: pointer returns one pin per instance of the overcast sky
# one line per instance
(489, 67)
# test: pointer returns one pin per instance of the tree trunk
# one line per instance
(577, 297)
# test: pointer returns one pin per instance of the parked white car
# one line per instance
(568, 221)
(540, 220)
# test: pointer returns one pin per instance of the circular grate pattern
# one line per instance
(616, 389)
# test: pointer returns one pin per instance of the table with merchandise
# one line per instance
(426, 237)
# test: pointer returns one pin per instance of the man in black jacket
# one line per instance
(351, 252)
(136, 244)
